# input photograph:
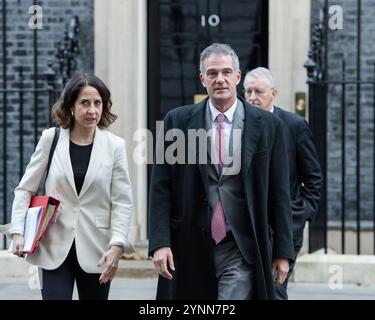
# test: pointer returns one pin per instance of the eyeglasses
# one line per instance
(257, 92)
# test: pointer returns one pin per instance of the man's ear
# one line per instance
(201, 76)
(274, 93)
(238, 77)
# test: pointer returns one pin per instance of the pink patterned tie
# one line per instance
(218, 229)
(220, 140)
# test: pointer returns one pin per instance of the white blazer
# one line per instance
(99, 217)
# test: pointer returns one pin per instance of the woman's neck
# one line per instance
(82, 136)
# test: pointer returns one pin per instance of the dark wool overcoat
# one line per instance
(179, 213)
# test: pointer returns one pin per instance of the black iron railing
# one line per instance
(320, 92)
(31, 94)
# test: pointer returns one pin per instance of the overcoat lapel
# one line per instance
(196, 122)
(232, 154)
(250, 138)
(277, 111)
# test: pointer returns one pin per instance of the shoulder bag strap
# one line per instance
(53, 147)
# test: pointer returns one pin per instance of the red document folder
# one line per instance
(42, 201)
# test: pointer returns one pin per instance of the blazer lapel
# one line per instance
(250, 136)
(95, 160)
(63, 154)
(198, 121)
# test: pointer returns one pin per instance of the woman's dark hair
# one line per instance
(61, 111)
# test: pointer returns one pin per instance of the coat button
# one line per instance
(220, 183)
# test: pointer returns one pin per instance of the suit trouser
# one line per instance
(58, 284)
(235, 276)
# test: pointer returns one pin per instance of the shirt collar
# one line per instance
(229, 114)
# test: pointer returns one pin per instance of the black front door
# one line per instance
(178, 30)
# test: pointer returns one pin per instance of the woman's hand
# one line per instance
(18, 242)
(109, 262)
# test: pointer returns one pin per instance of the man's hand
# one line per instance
(280, 267)
(109, 262)
(163, 262)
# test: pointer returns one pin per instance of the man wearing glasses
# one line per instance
(305, 177)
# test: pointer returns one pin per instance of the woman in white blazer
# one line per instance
(89, 175)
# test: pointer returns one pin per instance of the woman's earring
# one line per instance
(72, 113)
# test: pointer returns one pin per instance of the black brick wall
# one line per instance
(342, 44)
(20, 52)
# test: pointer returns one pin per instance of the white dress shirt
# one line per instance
(228, 122)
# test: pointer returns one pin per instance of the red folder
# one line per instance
(42, 201)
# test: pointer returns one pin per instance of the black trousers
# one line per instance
(58, 284)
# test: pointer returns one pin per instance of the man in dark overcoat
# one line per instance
(219, 216)
(305, 176)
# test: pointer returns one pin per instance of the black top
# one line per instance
(80, 158)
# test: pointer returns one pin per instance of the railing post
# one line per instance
(50, 76)
(318, 123)
(343, 158)
(358, 129)
(373, 157)
(5, 125)
(68, 51)
(20, 96)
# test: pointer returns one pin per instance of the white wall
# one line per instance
(289, 38)
(120, 61)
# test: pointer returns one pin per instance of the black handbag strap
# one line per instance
(52, 150)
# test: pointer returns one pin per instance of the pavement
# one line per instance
(137, 279)
(121, 289)
(145, 288)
